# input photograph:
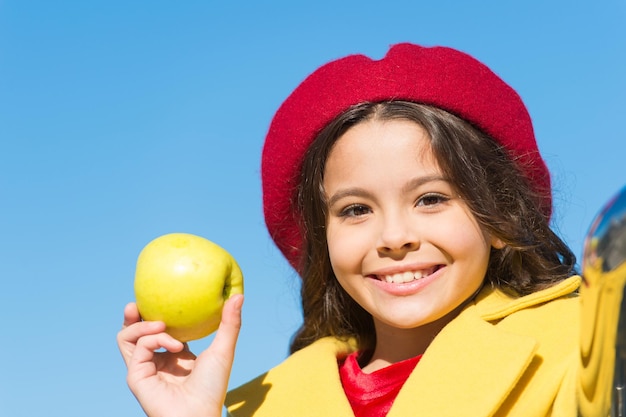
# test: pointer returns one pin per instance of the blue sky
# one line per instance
(122, 121)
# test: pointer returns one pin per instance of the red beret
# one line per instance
(437, 76)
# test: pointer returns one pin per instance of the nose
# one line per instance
(398, 235)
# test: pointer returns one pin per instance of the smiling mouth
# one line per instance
(408, 276)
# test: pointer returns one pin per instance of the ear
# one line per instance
(497, 243)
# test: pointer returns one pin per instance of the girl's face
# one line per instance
(400, 241)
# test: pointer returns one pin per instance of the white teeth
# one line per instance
(404, 277)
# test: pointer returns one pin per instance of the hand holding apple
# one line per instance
(183, 280)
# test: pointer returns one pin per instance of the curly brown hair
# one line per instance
(485, 177)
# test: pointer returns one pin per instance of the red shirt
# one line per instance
(371, 395)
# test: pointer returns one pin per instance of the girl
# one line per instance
(410, 195)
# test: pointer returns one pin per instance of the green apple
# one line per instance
(183, 280)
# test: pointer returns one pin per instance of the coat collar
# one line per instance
(459, 353)
(494, 304)
(457, 357)
(307, 383)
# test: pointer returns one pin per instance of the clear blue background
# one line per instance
(124, 120)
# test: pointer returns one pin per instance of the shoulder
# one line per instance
(550, 316)
(494, 305)
(521, 349)
(532, 340)
(295, 384)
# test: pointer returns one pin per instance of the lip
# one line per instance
(406, 288)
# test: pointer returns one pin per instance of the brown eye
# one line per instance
(355, 210)
(431, 199)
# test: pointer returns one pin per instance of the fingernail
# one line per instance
(238, 302)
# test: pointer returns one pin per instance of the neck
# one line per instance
(395, 345)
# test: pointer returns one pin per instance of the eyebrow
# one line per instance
(419, 181)
(360, 192)
(348, 192)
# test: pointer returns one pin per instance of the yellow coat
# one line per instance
(501, 356)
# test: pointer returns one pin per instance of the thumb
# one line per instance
(226, 337)
(208, 381)
(217, 359)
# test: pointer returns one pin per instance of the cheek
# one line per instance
(463, 240)
(338, 246)
(345, 248)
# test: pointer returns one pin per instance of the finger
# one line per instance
(141, 363)
(230, 325)
(212, 368)
(226, 338)
(131, 314)
(127, 338)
